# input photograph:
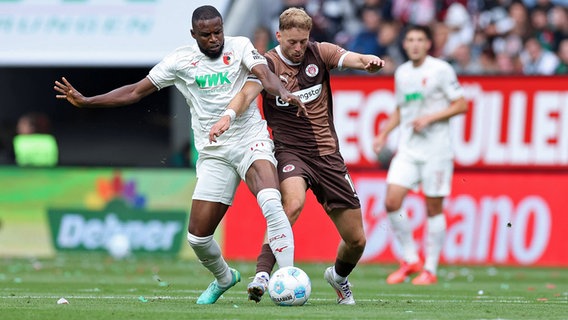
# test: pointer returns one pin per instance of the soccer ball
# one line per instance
(289, 286)
(118, 246)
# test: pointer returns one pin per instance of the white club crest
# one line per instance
(312, 70)
(288, 168)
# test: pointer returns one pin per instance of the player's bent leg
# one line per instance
(293, 190)
(280, 241)
(349, 224)
(293, 197)
(262, 180)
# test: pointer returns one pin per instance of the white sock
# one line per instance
(279, 230)
(436, 233)
(263, 275)
(338, 278)
(209, 254)
(403, 234)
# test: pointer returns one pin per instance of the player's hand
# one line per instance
(292, 99)
(421, 123)
(69, 93)
(219, 128)
(375, 65)
(379, 143)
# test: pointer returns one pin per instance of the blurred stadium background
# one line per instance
(130, 170)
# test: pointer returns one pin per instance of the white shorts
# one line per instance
(220, 168)
(435, 175)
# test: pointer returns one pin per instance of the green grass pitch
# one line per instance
(98, 287)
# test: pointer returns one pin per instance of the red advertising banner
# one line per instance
(513, 122)
(493, 218)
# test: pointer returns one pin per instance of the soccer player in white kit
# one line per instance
(209, 74)
(428, 94)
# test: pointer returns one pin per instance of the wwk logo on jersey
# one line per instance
(212, 79)
(414, 96)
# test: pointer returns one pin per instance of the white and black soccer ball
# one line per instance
(289, 286)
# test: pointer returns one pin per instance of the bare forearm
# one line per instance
(273, 85)
(392, 122)
(240, 103)
(456, 107)
(245, 97)
(364, 62)
(269, 80)
(122, 96)
(116, 98)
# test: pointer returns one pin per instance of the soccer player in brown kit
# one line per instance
(306, 143)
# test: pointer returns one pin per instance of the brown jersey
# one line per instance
(315, 134)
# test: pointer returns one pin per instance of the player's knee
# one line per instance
(270, 201)
(392, 204)
(293, 208)
(433, 209)
(198, 242)
(198, 231)
(358, 244)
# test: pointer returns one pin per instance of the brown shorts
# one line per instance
(327, 176)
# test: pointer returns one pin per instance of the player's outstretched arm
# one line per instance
(122, 96)
(236, 107)
(366, 62)
(274, 86)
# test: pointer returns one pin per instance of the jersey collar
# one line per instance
(288, 62)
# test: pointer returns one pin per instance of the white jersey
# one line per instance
(424, 90)
(209, 85)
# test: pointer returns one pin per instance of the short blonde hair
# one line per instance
(295, 18)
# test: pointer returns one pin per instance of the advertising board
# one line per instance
(493, 218)
(48, 210)
(513, 122)
(94, 32)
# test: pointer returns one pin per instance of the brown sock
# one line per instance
(343, 268)
(266, 260)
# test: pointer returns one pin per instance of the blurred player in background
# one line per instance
(306, 143)
(428, 94)
(209, 74)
